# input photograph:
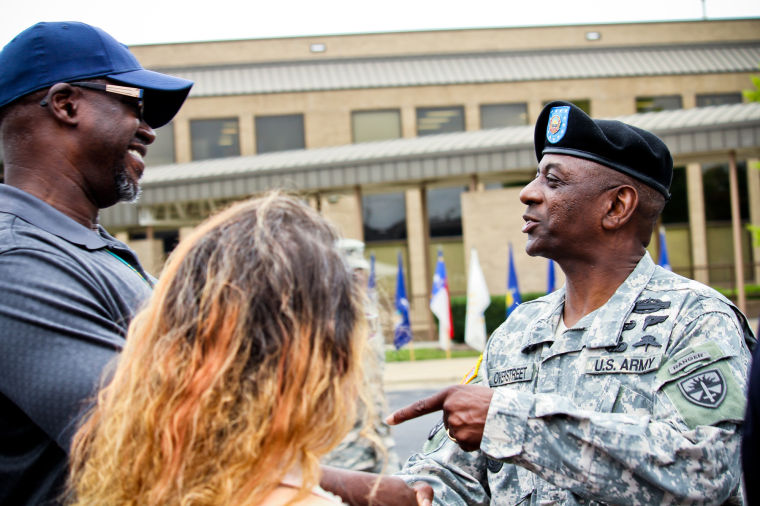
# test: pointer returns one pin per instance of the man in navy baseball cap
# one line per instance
(49, 53)
(77, 113)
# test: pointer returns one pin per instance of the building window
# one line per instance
(367, 126)
(503, 115)
(717, 192)
(677, 208)
(584, 104)
(384, 216)
(709, 99)
(279, 133)
(214, 138)
(661, 103)
(444, 207)
(161, 151)
(440, 120)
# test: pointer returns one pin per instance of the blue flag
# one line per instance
(664, 262)
(550, 277)
(371, 284)
(513, 291)
(402, 332)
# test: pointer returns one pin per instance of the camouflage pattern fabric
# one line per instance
(640, 402)
(356, 451)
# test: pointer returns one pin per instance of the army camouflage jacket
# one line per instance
(640, 402)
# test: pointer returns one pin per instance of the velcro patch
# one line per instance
(706, 388)
(707, 396)
(622, 364)
(512, 375)
(689, 360)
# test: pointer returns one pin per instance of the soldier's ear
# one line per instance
(62, 101)
(620, 205)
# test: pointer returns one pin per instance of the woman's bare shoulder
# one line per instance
(282, 494)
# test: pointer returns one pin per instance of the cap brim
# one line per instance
(164, 94)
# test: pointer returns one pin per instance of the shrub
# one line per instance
(495, 314)
(750, 291)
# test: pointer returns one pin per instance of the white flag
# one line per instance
(478, 299)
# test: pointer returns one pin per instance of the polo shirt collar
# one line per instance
(44, 216)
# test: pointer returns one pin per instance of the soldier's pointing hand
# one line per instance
(465, 408)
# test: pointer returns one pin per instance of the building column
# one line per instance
(182, 147)
(345, 212)
(472, 116)
(736, 229)
(697, 222)
(753, 190)
(418, 240)
(247, 136)
(408, 122)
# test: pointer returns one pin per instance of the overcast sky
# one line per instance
(160, 21)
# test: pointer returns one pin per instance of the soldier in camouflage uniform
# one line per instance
(626, 386)
(370, 449)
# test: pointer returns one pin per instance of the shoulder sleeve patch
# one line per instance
(707, 396)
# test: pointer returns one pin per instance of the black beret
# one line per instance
(564, 129)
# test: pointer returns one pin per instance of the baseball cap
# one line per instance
(53, 52)
(564, 128)
(353, 250)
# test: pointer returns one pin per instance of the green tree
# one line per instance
(753, 95)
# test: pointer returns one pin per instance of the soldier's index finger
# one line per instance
(418, 408)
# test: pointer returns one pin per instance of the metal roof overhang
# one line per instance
(693, 135)
(450, 69)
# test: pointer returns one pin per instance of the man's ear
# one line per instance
(62, 100)
(621, 204)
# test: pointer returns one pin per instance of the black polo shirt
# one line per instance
(67, 294)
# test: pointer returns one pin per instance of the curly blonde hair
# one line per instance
(244, 364)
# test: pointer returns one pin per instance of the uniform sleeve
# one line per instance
(57, 333)
(683, 452)
(458, 478)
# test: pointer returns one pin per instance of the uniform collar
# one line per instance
(603, 325)
(44, 216)
(607, 324)
(542, 330)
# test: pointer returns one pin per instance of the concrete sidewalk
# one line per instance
(426, 373)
